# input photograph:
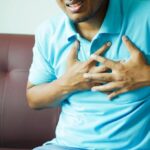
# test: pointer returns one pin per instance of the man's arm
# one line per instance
(125, 76)
(46, 95)
(53, 93)
(49, 94)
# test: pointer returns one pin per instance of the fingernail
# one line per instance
(77, 44)
(110, 97)
(93, 56)
(94, 90)
(124, 38)
(109, 44)
(86, 75)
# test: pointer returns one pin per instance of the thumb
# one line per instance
(73, 55)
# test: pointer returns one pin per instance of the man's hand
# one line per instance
(125, 76)
(73, 79)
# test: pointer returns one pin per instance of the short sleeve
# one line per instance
(41, 70)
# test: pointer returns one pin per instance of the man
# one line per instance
(68, 71)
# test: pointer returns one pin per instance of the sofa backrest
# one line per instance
(20, 127)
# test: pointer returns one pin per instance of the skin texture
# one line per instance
(75, 69)
(89, 19)
(73, 80)
(124, 76)
(89, 10)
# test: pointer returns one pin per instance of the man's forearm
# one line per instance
(47, 95)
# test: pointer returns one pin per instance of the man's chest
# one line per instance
(118, 51)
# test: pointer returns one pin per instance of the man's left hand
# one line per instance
(125, 76)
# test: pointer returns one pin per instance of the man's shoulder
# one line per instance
(136, 5)
(50, 26)
(47, 34)
(136, 11)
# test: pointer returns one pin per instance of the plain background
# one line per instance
(24, 16)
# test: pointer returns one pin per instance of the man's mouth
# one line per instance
(74, 5)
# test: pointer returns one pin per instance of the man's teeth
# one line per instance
(75, 4)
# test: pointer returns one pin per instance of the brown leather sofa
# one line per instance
(20, 127)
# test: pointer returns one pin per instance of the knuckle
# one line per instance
(84, 65)
(139, 54)
(120, 78)
(90, 84)
(91, 70)
(94, 70)
(103, 78)
(116, 77)
(126, 89)
(120, 67)
(123, 84)
(103, 68)
(109, 78)
(104, 60)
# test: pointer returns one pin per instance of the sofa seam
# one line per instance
(4, 91)
(2, 112)
(3, 102)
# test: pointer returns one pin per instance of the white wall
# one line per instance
(23, 16)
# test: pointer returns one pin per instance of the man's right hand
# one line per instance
(51, 94)
(73, 78)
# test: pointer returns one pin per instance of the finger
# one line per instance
(73, 55)
(103, 48)
(99, 69)
(99, 77)
(107, 62)
(108, 87)
(100, 52)
(124, 89)
(116, 93)
(94, 84)
(136, 54)
(131, 47)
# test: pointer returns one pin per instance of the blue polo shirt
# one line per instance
(89, 119)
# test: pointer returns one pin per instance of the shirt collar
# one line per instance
(70, 28)
(113, 20)
(111, 25)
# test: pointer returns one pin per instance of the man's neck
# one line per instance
(89, 28)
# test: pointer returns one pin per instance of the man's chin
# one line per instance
(79, 19)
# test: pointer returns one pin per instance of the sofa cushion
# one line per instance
(20, 126)
(13, 149)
